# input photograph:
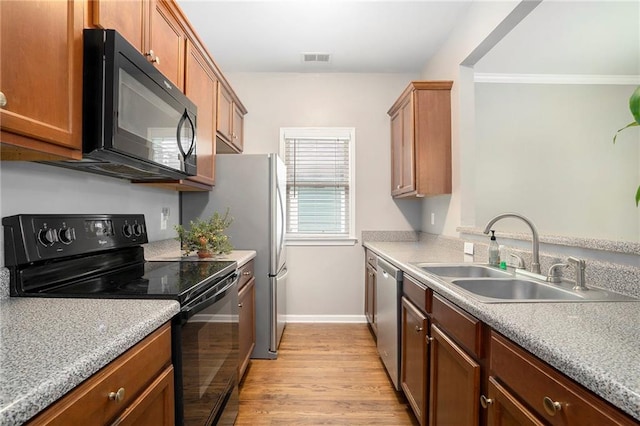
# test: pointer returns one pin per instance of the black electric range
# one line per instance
(101, 256)
(97, 256)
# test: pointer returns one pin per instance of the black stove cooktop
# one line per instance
(98, 256)
(179, 280)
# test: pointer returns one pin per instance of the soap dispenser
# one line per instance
(494, 251)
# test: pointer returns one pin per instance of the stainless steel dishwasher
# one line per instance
(388, 293)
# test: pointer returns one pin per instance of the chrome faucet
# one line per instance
(535, 265)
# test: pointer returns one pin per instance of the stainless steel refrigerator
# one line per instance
(253, 187)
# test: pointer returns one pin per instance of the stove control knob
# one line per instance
(137, 229)
(47, 237)
(127, 230)
(67, 235)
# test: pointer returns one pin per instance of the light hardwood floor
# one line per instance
(325, 374)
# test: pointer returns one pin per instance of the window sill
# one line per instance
(322, 242)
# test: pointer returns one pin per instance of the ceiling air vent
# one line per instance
(316, 58)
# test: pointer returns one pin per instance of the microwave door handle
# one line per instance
(185, 117)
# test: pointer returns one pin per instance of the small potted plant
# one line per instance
(206, 237)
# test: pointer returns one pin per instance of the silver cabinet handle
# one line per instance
(399, 186)
(246, 273)
(485, 402)
(418, 329)
(117, 396)
(239, 305)
(3, 100)
(550, 406)
(156, 60)
(429, 339)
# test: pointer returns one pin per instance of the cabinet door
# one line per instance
(247, 327)
(505, 410)
(415, 362)
(167, 41)
(155, 407)
(237, 134)
(370, 297)
(41, 77)
(454, 383)
(128, 17)
(200, 86)
(396, 152)
(225, 107)
(408, 151)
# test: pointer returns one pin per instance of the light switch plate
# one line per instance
(468, 248)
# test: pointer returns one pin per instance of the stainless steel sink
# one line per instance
(491, 285)
(516, 289)
(464, 271)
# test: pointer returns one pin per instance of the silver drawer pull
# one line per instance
(246, 273)
(239, 305)
(418, 329)
(3, 100)
(117, 396)
(550, 406)
(485, 402)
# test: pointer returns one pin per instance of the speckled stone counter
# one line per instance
(170, 250)
(49, 346)
(596, 344)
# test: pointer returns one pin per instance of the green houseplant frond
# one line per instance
(634, 107)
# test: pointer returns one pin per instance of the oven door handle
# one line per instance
(207, 299)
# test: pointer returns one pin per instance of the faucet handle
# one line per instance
(552, 275)
(520, 260)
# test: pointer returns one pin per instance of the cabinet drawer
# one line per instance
(418, 293)
(133, 371)
(372, 259)
(246, 273)
(534, 381)
(462, 327)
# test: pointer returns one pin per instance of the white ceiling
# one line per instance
(362, 36)
(571, 37)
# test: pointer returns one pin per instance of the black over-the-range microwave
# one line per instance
(136, 124)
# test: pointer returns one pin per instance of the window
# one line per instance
(320, 192)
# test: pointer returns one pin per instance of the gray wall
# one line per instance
(37, 188)
(326, 282)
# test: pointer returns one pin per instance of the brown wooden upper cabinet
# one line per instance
(41, 80)
(421, 140)
(230, 122)
(152, 26)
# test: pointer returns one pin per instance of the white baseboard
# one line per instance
(353, 319)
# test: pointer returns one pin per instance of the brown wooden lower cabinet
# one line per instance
(415, 359)
(454, 383)
(553, 397)
(247, 324)
(504, 409)
(134, 389)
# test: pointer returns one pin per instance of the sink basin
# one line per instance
(516, 289)
(491, 285)
(463, 271)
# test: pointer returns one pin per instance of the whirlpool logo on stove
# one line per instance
(103, 242)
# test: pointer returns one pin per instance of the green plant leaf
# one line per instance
(638, 196)
(634, 104)
(635, 123)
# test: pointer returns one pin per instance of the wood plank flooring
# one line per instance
(325, 374)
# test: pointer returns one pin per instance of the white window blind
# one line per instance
(319, 183)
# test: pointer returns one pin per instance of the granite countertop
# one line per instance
(240, 256)
(595, 343)
(49, 346)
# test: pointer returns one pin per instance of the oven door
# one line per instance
(206, 357)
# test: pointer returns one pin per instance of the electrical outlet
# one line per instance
(164, 218)
(468, 248)
(433, 218)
